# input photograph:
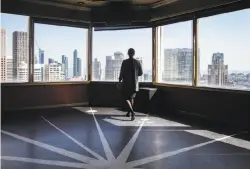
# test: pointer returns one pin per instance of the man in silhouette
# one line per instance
(130, 70)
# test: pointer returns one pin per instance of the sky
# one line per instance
(226, 33)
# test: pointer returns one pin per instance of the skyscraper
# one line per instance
(178, 65)
(3, 56)
(108, 68)
(97, 72)
(113, 66)
(217, 71)
(51, 61)
(22, 72)
(79, 67)
(141, 78)
(9, 70)
(35, 60)
(41, 56)
(53, 72)
(65, 65)
(20, 51)
(3, 42)
(75, 63)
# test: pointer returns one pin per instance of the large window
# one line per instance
(60, 53)
(14, 48)
(224, 50)
(175, 56)
(110, 49)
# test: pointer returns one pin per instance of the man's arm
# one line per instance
(121, 72)
(140, 72)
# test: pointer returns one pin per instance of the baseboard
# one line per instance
(48, 106)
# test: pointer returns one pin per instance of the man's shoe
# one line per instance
(128, 114)
(133, 116)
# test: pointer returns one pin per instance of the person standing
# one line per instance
(131, 69)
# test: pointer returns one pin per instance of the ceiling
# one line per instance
(88, 4)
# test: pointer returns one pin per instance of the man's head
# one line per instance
(131, 53)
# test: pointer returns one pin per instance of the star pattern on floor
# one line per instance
(99, 162)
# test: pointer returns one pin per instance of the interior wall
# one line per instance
(107, 94)
(228, 106)
(31, 96)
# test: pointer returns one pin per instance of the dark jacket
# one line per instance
(130, 70)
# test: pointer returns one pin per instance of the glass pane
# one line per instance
(60, 53)
(224, 50)
(14, 48)
(110, 49)
(175, 56)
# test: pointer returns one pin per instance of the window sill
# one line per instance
(204, 88)
(44, 83)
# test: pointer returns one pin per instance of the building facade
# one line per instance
(75, 63)
(79, 67)
(3, 56)
(9, 69)
(113, 66)
(22, 72)
(53, 72)
(20, 54)
(41, 56)
(65, 65)
(50, 60)
(217, 71)
(178, 65)
(97, 71)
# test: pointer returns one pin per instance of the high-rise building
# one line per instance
(3, 56)
(97, 72)
(79, 67)
(35, 60)
(41, 56)
(51, 61)
(9, 70)
(75, 63)
(3, 69)
(38, 73)
(141, 78)
(20, 52)
(53, 72)
(109, 68)
(113, 66)
(3, 42)
(217, 71)
(65, 65)
(22, 72)
(146, 77)
(178, 65)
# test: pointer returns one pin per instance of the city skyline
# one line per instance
(216, 34)
(182, 40)
(177, 66)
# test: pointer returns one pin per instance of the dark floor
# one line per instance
(103, 138)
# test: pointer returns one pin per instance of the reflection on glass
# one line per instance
(110, 49)
(60, 53)
(14, 48)
(175, 58)
(224, 46)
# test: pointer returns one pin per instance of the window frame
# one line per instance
(154, 23)
(29, 36)
(103, 29)
(157, 39)
(212, 11)
(56, 22)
